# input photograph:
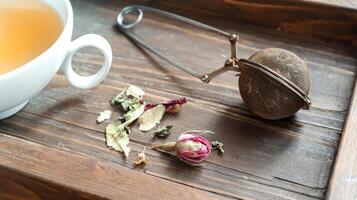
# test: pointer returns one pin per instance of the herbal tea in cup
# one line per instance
(35, 42)
(26, 31)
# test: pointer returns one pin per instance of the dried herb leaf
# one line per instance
(218, 145)
(104, 116)
(163, 131)
(129, 99)
(151, 117)
(171, 105)
(117, 135)
(132, 115)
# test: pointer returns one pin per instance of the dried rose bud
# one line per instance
(174, 109)
(191, 149)
(171, 105)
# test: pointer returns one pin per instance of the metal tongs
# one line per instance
(231, 64)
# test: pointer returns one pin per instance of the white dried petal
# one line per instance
(135, 92)
(104, 116)
(151, 117)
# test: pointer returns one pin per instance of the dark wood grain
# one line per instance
(329, 20)
(286, 159)
(18, 185)
(319, 20)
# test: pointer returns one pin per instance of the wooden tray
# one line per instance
(54, 149)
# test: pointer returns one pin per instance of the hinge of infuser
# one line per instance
(230, 65)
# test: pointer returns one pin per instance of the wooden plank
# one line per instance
(19, 185)
(326, 68)
(343, 184)
(307, 18)
(86, 173)
(313, 20)
(75, 130)
(128, 66)
(286, 159)
(351, 4)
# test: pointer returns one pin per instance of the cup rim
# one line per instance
(69, 16)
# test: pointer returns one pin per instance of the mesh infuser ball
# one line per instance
(274, 83)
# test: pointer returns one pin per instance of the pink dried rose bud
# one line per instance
(171, 105)
(191, 149)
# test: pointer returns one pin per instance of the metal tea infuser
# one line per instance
(274, 83)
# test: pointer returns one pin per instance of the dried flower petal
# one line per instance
(151, 117)
(218, 145)
(104, 116)
(163, 131)
(171, 105)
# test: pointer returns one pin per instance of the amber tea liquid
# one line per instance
(27, 29)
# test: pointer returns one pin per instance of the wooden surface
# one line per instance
(343, 183)
(330, 20)
(351, 4)
(54, 148)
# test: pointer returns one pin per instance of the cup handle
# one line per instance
(87, 82)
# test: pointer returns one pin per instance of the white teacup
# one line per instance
(21, 84)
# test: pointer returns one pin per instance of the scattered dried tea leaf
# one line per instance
(151, 117)
(132, 115)
(104, 116)
(129, 99)
(163, 131)
(117, 135)
(218, 145)
(171, 105)
(135, 92)
(141, 159)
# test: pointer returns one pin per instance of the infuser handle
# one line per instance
(140, 9)
(125, 26)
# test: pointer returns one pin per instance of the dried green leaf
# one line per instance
(218, 145)
(151, 117)
(116, 100)
(130, 99)
(132, 115)
(163, 131)
(104, 116)
(117, 135)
